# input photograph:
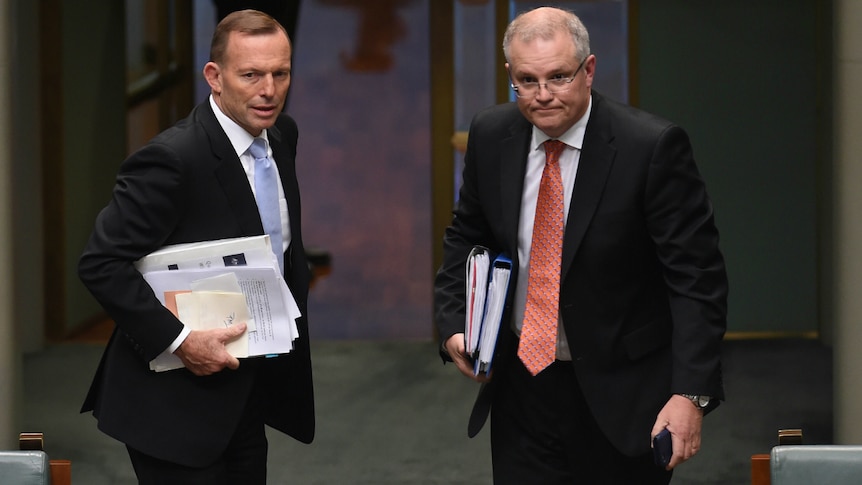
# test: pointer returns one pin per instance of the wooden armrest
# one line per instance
(61, 472)
(760, 469)
(791, 436)
(31, 441)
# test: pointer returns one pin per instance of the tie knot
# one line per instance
(258, 149)
(553, 149)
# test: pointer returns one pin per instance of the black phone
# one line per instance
(662, 448)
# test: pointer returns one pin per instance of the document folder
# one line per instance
(487, 287)
(210, 284)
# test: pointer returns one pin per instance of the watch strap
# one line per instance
(699, 401)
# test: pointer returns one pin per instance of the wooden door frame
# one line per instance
(173, 87)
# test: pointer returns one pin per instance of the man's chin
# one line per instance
(263, 123)
(551, 129)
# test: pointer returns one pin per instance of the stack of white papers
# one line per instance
(477, 286)
(487, 287)
(213, 284)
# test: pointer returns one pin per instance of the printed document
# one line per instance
(214, 284)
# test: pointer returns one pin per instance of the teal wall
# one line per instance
(744, 77)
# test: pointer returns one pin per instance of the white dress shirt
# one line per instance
(241, 140)
(569, 159)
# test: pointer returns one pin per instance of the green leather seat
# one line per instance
(24, 468)
(816, 465)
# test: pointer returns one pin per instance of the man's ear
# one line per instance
(212, 73)
(590, 70)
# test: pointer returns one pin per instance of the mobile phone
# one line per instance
(662, 448)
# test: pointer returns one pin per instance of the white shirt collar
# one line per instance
(239, 138)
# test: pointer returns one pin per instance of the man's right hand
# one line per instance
(203, 351)
(455, 348)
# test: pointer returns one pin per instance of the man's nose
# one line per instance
(542, 91)
(267, 86)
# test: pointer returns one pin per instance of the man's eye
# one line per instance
(558, 77)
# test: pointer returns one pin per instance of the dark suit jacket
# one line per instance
(643, 284)
(188, 185)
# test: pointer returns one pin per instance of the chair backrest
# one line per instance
(760, 462)
(816, 464)
(28, 467)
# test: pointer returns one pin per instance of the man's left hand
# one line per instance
(203, 352)
(684, 420)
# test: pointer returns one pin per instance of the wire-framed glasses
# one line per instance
(554, 85)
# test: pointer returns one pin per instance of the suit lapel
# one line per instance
(597, 158)
(285, 158)
(286, 163)
(514, 150)
(228, 170)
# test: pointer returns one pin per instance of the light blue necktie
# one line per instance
(266, 193)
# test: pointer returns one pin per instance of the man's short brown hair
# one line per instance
(249, 22)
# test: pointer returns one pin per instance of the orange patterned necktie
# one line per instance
(538, 346)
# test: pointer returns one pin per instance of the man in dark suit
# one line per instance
(203, 424)
(637, 285)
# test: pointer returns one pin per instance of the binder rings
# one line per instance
(487, 287)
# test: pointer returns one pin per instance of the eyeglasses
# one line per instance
(554, 86)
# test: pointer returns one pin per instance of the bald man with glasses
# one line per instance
(612, 327)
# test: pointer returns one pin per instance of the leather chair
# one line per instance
(760, 463)
(26, 467)
(816, 464)
(30, 465)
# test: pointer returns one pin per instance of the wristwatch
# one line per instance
(700, 402)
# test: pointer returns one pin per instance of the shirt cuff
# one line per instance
(179, 340)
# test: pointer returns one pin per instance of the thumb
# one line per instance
(658, 427)
(235, 330)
